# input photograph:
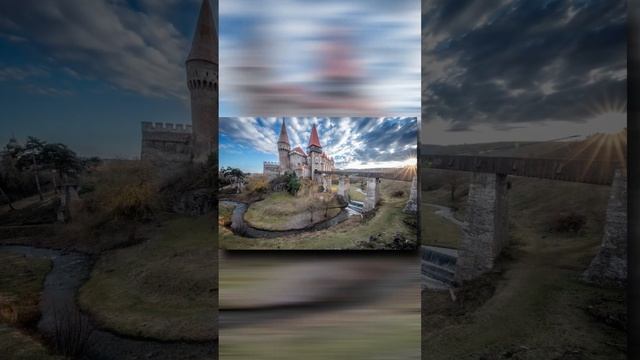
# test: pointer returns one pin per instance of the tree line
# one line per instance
(26, 169)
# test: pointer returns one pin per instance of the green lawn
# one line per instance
(165, 288)
(283, 211)
(388, 221)
(354, 194)
(438, 231)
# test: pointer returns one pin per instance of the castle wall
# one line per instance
(166, 142)
(271, 169)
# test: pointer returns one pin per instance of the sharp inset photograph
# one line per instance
(318, 183)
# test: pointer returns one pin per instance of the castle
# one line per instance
(162, 142)
(303, 164)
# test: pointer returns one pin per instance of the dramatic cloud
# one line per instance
(353, 142)
(105, 39)
(507, 63)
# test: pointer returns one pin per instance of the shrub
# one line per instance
(293, 183)
(397, 193)
(123, 190)
(258, 184)
(569, 223)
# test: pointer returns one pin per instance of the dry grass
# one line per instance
(165, 288)
(21, 280)
(282, 211)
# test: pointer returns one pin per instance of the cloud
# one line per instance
(352, 142)
(17, 73)
(507, 62)
(106, 39)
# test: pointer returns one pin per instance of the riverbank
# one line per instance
(388, 222)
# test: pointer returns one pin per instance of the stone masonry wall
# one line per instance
(373, 194)
(609, 267)
(166, 142)
(487, 230)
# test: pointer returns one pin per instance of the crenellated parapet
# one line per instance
(166, 141)
(164, 126)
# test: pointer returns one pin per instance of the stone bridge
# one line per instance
(486, 232)
(373, 185)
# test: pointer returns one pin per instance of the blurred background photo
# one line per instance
(330, 58)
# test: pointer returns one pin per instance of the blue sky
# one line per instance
(247, 142)
(86, 73)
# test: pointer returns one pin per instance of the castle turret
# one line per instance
(202, 80)
(284, 149)
(315, 151)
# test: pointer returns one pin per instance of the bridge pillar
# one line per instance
(373, 194)
(343, 187)
(412, 204)
(610, 265)
(326, 183)
(487, 230)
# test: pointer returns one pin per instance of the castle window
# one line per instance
(199, 83)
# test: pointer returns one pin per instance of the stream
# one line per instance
(240, 227)
(70, 270)
(447, 213)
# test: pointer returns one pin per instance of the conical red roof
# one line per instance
(299, 150)
(284, 137)
(314, 140)
(205, 39)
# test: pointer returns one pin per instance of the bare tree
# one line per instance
(454, 180)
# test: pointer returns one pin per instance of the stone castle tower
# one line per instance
(202, 80)
(168, 142)
(314, 150)
(284, 148)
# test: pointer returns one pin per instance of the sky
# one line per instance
(354, 143)
(86, 73)
(522, 70)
